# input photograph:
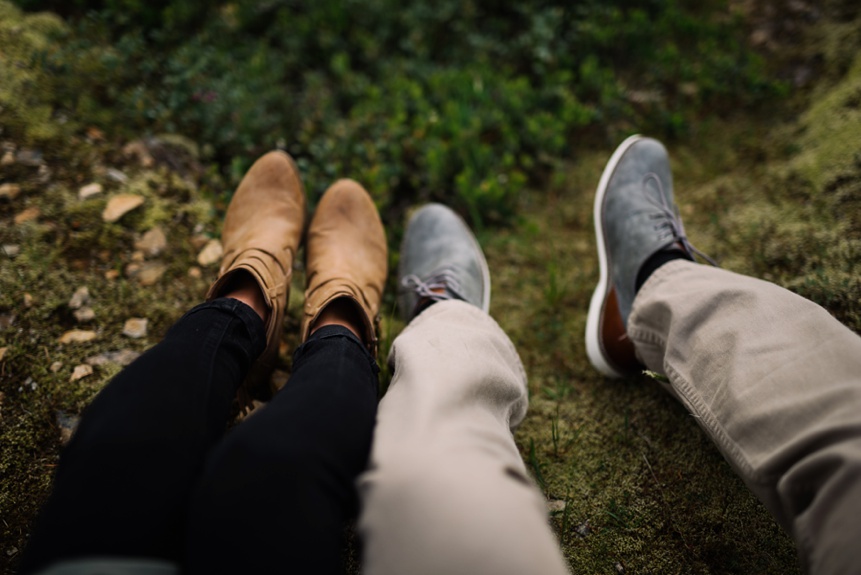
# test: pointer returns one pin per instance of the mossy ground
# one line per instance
(777, 197)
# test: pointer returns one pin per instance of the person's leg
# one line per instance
(776, 383)
(123, 481)
(771, 377)
(277, 492)
(447, 491)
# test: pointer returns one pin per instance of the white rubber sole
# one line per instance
(594, 350)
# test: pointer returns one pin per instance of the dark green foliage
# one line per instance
(459, 101)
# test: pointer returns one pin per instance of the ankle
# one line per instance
(656, 260)
(344, 312)
(243, 287)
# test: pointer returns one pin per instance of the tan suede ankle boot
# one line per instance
(346, 257)
(261, 233)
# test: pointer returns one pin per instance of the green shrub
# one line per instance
(463, 102)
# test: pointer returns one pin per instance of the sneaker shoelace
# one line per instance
(669, 216)
(444, 278)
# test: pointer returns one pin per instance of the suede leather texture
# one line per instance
(437, 238)
(346, 256)
(631, 222)
(261, 234)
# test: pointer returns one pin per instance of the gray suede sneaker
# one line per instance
(440, 260)
(634, 219)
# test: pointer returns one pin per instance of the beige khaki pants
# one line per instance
(775, 381)
(772, 378)
(446, 492)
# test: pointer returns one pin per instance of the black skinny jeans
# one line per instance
(150, 472)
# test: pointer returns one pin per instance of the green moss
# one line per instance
(829, 141)
(27, 90)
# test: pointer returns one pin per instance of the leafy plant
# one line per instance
(462, 102)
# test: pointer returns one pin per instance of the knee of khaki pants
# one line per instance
(473, 515)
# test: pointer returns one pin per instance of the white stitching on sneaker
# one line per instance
(670, 220)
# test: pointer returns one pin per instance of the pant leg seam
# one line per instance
(684, 388)
(722, 438)
(645, 337)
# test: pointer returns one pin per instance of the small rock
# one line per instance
(153, 242)
(198, 241)
(135, 327)
(120, 205)
(3, 352)
(30, 158)
(689, 89)
(12, 551)
(56, 366)
(11, 250)
(44, 174)
(556, 506)
(9, 191)
(27, 215)
(620, 569)
(133, 269)
(28, 300)
(8, 159)
(111, 275)
(194, 272)
(81, 371)
(85, 314)
(89, 191)
(138, 256)
(149, 272)
(211, 253)
(760, 37)
(67, 423)
(139, 150)
(583, 530)
(116, 175)
(78, 336)
(95, 134)
(121, 357)
(80, 298)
